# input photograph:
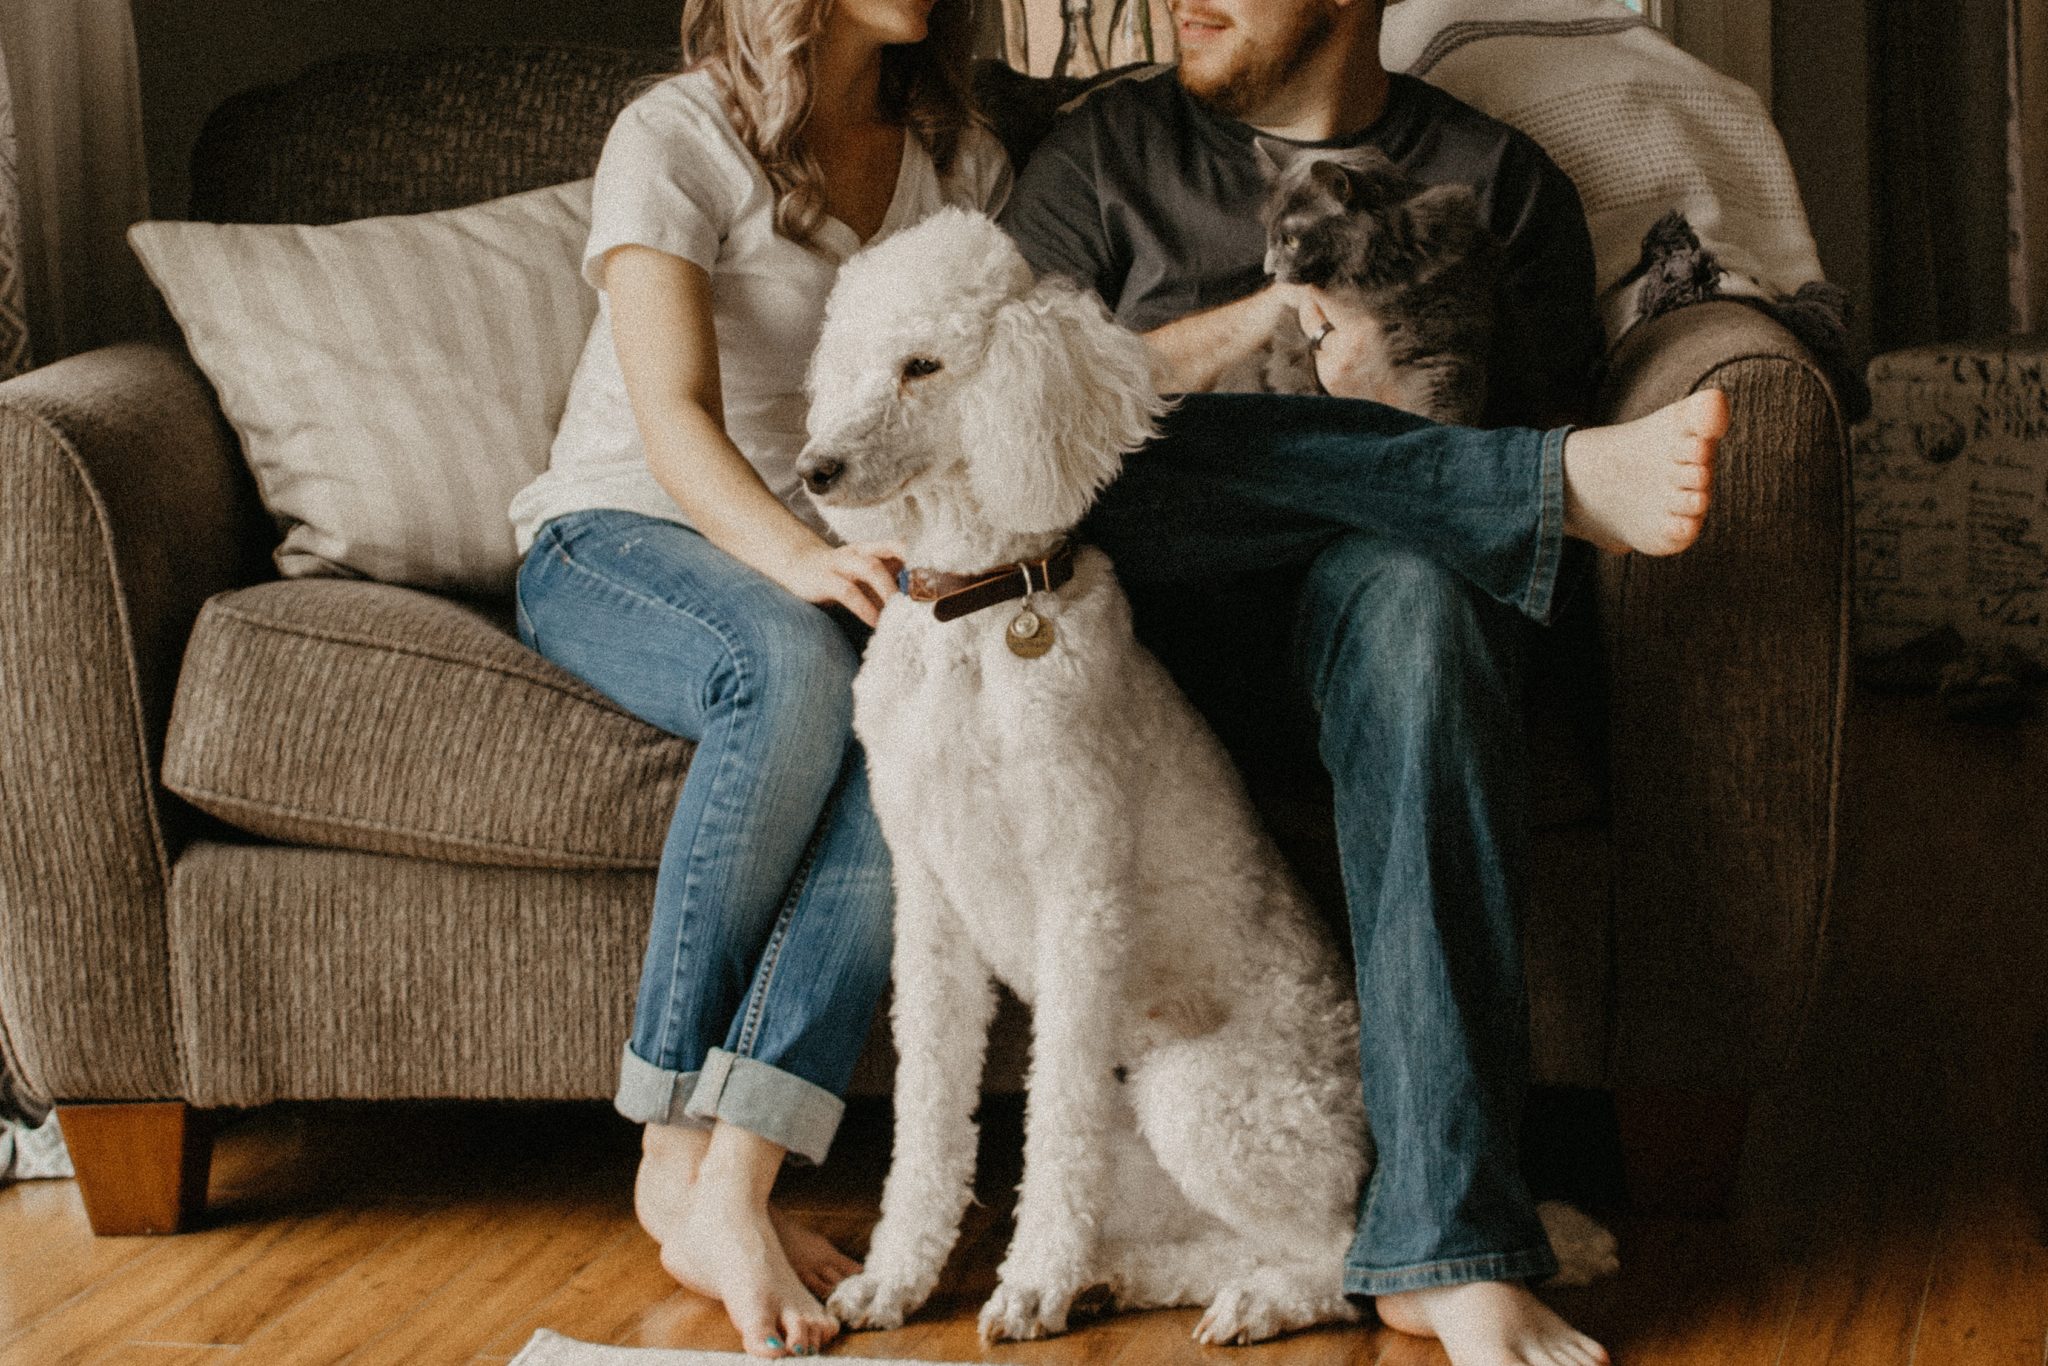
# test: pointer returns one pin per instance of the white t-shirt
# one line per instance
(676, 177)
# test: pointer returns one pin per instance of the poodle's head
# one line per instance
(944, 372)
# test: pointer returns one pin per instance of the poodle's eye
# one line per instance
(917, 367)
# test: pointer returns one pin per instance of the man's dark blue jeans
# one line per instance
(1404, 561)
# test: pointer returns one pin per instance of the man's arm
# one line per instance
(1190, 355)
(1054, 213)
(1055, 216)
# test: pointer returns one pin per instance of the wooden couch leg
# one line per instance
(142, 1166)
(1680, 1148)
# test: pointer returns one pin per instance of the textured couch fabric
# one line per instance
(147, 950)
(1730, 669)
(364, 716)
(324, 974)
(122, 507)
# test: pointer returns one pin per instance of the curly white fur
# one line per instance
(1195, 1132)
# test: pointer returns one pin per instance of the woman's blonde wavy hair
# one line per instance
(761, 53)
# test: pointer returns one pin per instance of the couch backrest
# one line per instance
(411, 132)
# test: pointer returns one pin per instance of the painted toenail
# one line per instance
(776, 1343)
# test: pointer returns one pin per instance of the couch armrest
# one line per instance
(1728, 669)
(123, 506)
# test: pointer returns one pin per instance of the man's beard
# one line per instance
(1261, 72)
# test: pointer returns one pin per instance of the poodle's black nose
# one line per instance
(820, 476)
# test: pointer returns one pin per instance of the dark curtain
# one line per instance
(1938, 171)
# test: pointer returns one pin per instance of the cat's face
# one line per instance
(1327, 212)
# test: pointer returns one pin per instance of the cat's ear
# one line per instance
(1334, 180)
(1273, 157)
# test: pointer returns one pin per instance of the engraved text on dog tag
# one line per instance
(1029, 636)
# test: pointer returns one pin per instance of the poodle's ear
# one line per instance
(1064, 394)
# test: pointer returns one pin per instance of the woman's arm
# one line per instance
(668, 353)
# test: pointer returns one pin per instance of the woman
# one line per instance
(672, 562)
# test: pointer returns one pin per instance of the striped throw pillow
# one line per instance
(394, 380)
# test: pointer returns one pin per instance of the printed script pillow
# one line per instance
(394, 380)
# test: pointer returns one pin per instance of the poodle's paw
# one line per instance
(1268, 1303)
(1585, 1250)
(1021, 1309)
(869, 1299)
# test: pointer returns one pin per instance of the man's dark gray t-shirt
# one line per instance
(1150, 198)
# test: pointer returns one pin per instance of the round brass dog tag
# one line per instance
(1029, 636)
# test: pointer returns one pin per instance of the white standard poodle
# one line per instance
(1061, 820)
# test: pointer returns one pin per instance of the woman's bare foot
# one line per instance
(719, 1238)
(1490, 1323)
(670, 1157)
(725, 1246)
(1645, 485)
(816, 1259)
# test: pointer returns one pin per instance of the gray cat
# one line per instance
(1416, 258)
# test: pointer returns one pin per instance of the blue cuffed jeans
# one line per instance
(769, 945)
(1395, 567)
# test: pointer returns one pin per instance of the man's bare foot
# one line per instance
(1645, 485)
(724, 1244)
(670, 1157)
(1490, 1323)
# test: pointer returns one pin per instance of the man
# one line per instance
(1396, 563)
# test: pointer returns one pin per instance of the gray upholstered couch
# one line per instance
(426, 860)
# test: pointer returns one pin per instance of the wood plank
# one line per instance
(168, 1272)
(1721, 1292)
(546, 1246)
(302, 1257)
(48, 1253)
(1988, 1300)
(168, 1354)
(1987, 1304)
(625, 1271)
(1399, 1349)
(377, 1290)
(1861, 1292)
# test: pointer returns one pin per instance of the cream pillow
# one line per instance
(394, 380)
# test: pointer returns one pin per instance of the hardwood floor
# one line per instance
(1894, 1200)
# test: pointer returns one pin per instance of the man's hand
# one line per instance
(1351, 359)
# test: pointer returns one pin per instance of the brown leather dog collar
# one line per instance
(955, 595)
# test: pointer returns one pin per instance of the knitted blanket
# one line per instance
(1645, 131)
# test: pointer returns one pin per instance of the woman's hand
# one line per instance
(859, 577)
(1351, 357)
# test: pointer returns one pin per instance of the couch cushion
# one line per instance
(358, 715)
(354, 715)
